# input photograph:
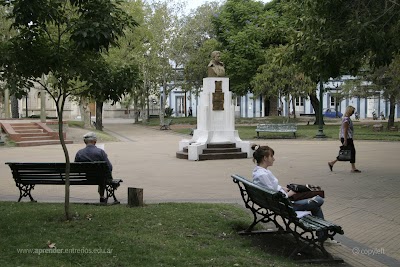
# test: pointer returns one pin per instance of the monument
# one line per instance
(215, 115)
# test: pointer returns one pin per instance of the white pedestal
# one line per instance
(214, 126)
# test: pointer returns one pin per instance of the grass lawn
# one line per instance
(246, 127)
(173, 234)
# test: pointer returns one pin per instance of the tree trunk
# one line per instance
(99, 115)
(14, 107)
(162, 102)
(315, 104)
(60, 109)
(85, 112)
(294, 107)
(136, 110)
(392, 108)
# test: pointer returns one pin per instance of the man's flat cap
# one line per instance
(90, 136)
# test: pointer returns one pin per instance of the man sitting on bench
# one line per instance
(92, 153)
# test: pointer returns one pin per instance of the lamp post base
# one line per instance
(320, 134)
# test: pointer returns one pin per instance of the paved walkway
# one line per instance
(365, 204)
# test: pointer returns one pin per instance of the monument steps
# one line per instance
(213, 156)
(216, 151)
(182, 155)
(221, 150)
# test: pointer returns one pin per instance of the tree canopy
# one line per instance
(59, 41)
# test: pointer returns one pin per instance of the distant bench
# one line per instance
(166, 125)
(27, 175)
(277, 128)
(271, 206)
(311, 115)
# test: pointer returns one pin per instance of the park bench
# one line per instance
(166, 125)
(27, 175)
(377, 127)
(271, 206)
(310, 116)
(277, 128)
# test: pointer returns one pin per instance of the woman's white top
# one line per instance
(265, 178)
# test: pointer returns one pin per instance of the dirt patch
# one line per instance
(76, 135)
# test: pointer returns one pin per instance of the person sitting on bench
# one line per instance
(92, 153)
(263, 156)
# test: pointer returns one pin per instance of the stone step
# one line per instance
(40, 143)
(24, 131)
(214, 156)
(182, 155)
(216, 150)
(24, 126)
(221, 145)
(33, 134)
(221, 150)
(37, 138)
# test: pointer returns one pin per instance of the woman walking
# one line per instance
(346, 137)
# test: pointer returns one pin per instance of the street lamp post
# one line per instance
(320, 133)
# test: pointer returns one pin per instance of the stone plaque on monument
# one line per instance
(218, 97)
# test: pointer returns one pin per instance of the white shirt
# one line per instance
(265, 178)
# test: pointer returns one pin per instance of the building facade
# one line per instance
(184, 103)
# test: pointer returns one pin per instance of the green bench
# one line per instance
(28, 174)
(269, 206)
(277, 128)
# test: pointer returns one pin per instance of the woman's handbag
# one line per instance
(344, 153)
(305, 191)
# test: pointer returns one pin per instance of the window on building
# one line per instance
(299, 101)
(38, 100)
(332, 101)
(238, 101)
(180, 105)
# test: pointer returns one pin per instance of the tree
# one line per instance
(130, 55)
(392, 89)
(105, 82)
(196, 66)
(278, 76)
(386, 79)
(239, 30)
(51, 36)
(336, 37)
(10, 82)
(199, 35)
(163, 25)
